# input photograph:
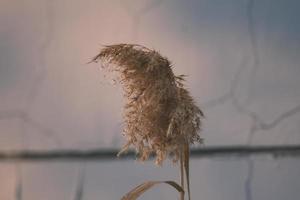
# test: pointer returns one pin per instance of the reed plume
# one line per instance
(161, 118)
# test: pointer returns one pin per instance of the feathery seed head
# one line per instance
(160, 115)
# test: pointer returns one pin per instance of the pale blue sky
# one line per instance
(50, 98)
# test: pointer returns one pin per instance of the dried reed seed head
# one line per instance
(160, 115)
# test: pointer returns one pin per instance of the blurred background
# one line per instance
(241, 58)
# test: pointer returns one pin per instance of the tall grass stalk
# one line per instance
(161, 117)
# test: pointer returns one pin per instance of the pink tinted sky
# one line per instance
(45, 46)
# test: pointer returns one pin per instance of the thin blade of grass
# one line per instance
(187, 167)
(140, 189)
(181, 174)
